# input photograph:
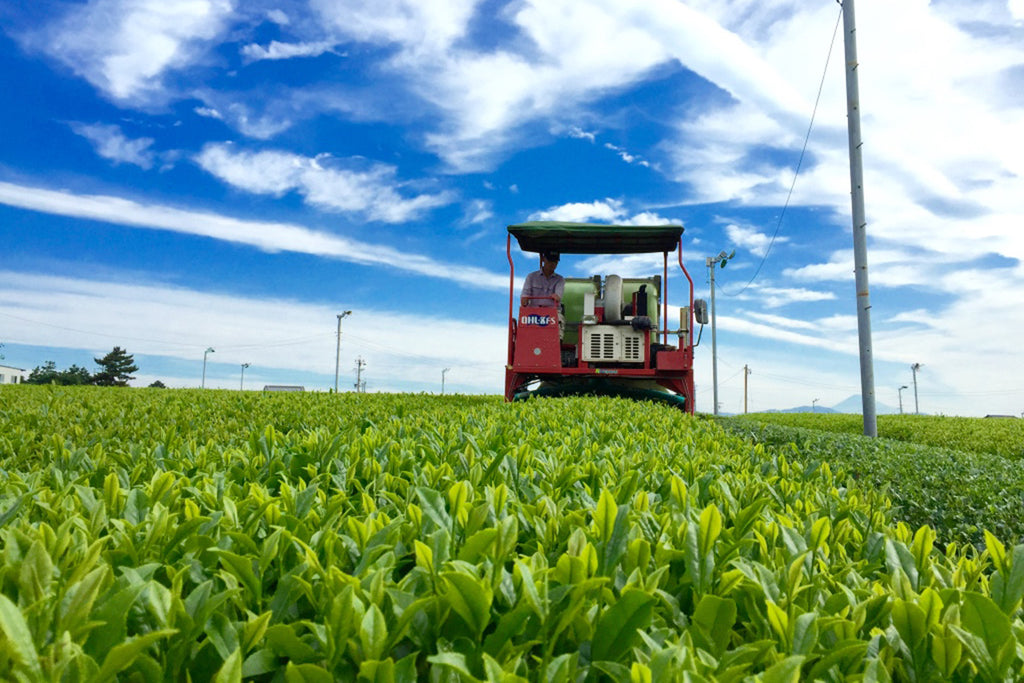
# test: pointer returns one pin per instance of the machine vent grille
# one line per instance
(602, 346)
(631, 349)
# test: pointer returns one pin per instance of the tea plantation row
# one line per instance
(152, 535)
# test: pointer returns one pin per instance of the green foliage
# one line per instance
(49, 374)
(958, 493)
(998, 436)
(224, 536)
(115, 369)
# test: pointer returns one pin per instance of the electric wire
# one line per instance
(799, 164)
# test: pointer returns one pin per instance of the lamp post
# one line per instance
(914, 368)
(814, 404)
(442, 379)
(712, 261)
(900, 391)
(207, 352)
(241, 382)
(337, 358)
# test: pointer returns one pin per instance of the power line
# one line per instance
(799, 164)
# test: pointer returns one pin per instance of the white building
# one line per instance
(9, 375)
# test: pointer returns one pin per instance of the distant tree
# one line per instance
(74, 375)
(48, 373)
(158, 385)
(43, 374)
(115, 368)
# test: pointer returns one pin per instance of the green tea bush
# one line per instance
(219, 536)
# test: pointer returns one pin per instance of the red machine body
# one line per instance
(603, 336)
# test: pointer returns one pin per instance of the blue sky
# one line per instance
(182, 175)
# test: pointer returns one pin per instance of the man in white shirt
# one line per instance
(544, 283)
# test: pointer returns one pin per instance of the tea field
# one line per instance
(175, 535)
(959, 475)
(998, 436)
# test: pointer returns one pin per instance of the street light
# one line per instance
(711, 262)
(241, 382)
(207, 352)
(337, 359)
(442, 379)
(814, 403)
(914, 368)
(900, 391)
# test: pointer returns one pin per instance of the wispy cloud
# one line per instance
(626, 156)
(277, 50)
(372, 190)
(110, 142)
(173, 322)
(125, 47)
(600, 211)
(266, 236)
(752, 240)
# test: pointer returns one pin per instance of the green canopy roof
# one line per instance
(590, 238)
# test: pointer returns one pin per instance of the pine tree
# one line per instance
(115, 368)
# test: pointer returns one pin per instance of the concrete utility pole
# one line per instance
(712, 261)
(914, 368)
(206, 353)
(442, 379)
(900, 392)
(746, 374)
(860, 249)
(360, 364)
(337, 357)
(241, 382)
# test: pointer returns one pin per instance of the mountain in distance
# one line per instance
(850, 405)
(853, 404)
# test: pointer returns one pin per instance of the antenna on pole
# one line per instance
(360, 384)
(860, 249)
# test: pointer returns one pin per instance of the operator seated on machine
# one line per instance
(545, 287)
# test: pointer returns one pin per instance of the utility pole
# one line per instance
(442, 379)
(360, 364)
(337, 357)
(746, 374)
(206, 353)
(712, 261)
(241, 382)
(860, 248)
(900, 392)
(914, 368)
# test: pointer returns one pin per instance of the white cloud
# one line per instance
(278, 50)
(774, 297)
(124, 47)
(626, 156)
(279, 17)
(1016, 8)
(178, 323)
(599, 211)
(748, 238)
(271, 237)
(607, 211)
(209, 112)
(579, 133)
(372, 191)
(111, 143)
